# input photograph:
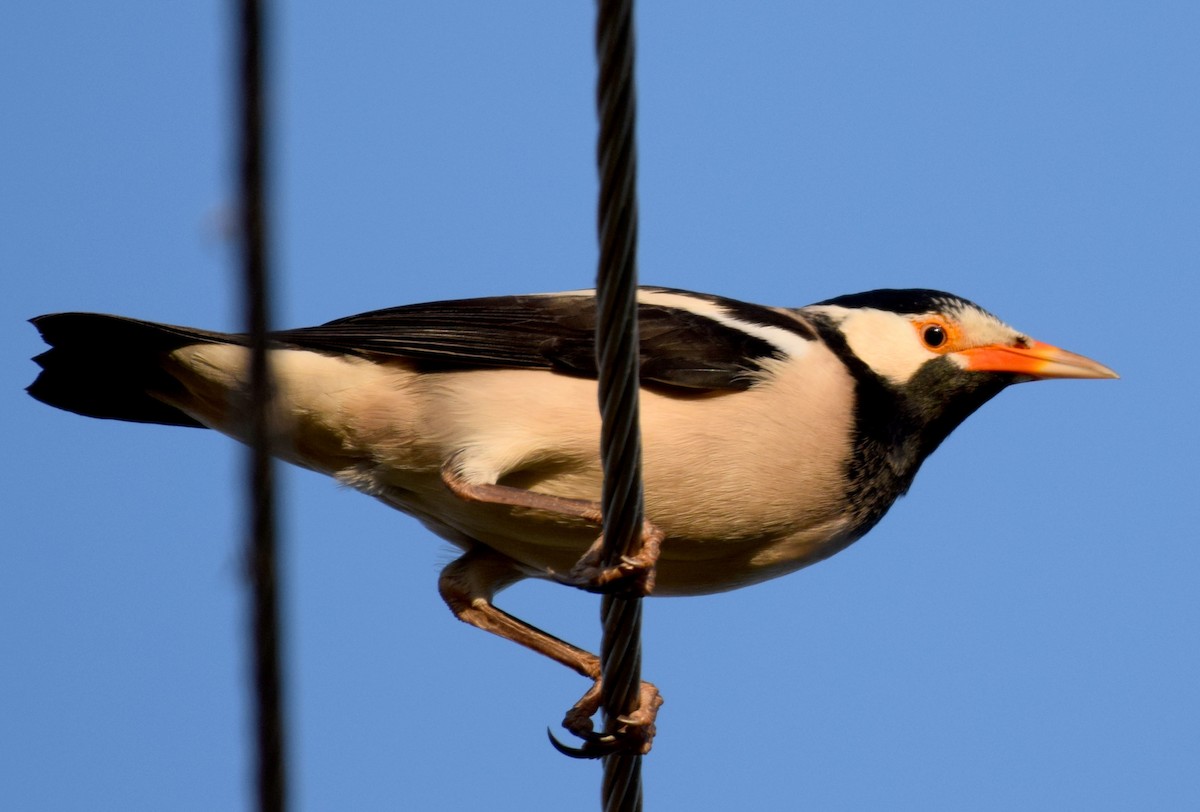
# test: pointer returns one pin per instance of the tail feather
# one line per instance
(108, 366)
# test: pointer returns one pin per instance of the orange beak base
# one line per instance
(1036, 360)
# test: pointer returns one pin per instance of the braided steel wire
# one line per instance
(617, 354)
(261, 563)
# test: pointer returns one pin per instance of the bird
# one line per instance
(773, 437)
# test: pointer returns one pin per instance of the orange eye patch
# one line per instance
(937, 334)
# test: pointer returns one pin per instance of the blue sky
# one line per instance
(1020, 632)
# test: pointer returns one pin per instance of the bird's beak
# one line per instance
(1035, 360)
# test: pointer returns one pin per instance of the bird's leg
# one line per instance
(633, 573)
(468, 584)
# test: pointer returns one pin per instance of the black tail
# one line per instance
(107, 366)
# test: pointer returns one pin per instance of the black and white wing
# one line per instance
(688, 340)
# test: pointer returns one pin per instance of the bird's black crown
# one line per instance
(905, 301)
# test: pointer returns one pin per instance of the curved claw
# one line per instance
(634, 735)
(597, 747)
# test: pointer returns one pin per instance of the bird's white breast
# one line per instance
(747, 482)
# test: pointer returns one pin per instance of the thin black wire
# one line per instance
(617, 354)
(261, 544)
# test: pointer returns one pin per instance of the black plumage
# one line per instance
(679, 348)
(79, 373)
(905, 301)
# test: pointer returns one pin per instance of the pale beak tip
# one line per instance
(1099, 371)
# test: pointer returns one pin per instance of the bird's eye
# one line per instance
(934, 335)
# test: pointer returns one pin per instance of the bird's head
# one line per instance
(939, 355)
(898, 333)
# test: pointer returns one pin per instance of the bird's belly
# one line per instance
(700, 554)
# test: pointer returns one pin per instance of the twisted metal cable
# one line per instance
(617, 354)
(261, 541)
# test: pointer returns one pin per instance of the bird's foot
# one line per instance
(631, 575)
(633, 733)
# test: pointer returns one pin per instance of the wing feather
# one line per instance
(680, 347)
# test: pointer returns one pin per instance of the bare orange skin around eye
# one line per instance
(952, 335)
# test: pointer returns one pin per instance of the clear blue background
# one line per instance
(1020, 632)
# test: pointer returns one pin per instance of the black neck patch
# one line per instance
(897, 427)
(884, 449)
